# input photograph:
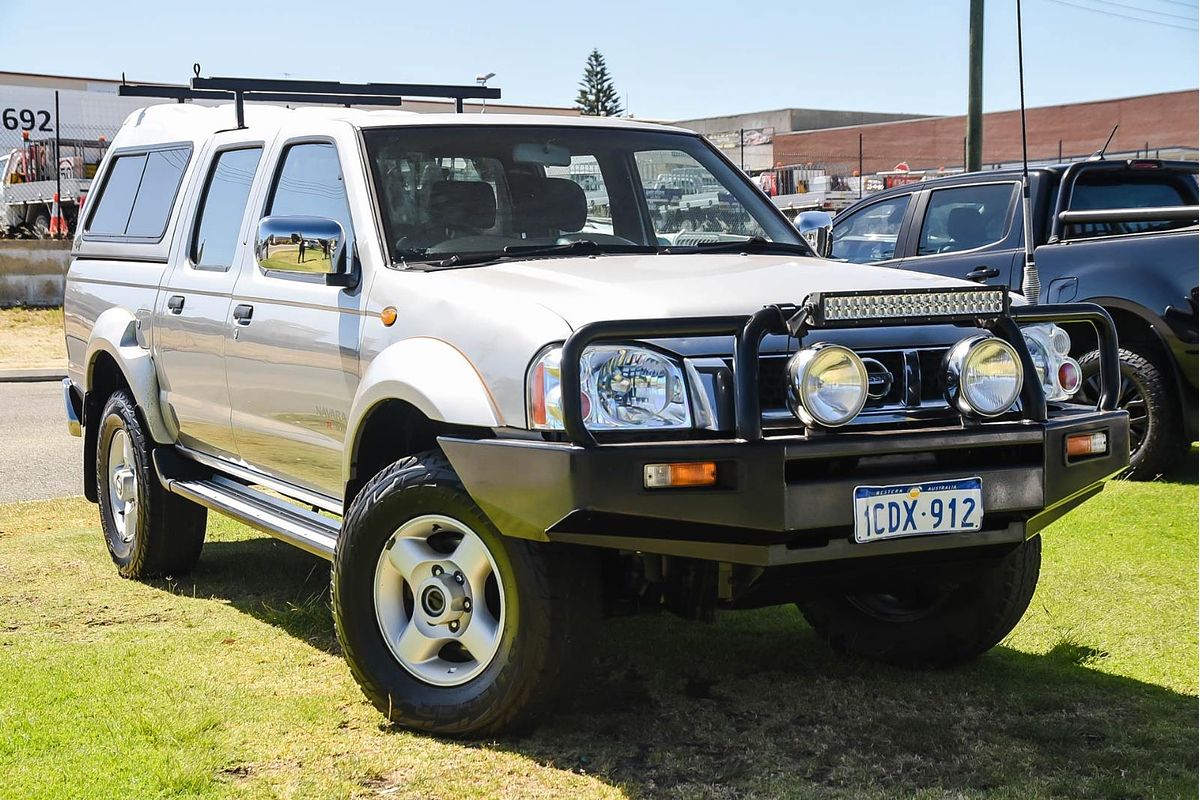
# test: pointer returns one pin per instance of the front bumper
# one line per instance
(784, 500)
(787, 499)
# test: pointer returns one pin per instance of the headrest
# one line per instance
(462, 204)
(548, 204)
(965, 225)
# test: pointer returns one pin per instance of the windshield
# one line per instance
(472, 190)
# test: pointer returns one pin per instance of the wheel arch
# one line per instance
(414, 391)
(114, 360)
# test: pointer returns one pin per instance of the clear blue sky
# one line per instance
(673, 59)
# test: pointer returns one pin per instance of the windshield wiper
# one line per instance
(755, 244)
(518, 252)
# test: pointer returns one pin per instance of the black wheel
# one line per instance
(41, 225)
(916, 623)
(448, 626)
(1155, 429)
(149, 531)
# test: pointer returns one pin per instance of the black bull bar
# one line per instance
(797, 321)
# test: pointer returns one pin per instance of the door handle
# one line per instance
(243, 313)
(982, 273)
(175, 303)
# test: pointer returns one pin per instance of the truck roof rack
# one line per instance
(302, 91)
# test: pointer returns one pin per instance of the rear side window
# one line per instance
(965, 218)
(138, 194)
(223, 207)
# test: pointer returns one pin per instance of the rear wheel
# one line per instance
(447, 625)
(1155, 429)
(920, 622)
(149, 531)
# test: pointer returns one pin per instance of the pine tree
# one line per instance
(597, 96)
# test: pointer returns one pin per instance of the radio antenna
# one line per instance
(1031, 284)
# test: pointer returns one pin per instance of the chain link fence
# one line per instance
(833, 181)
(44, 156)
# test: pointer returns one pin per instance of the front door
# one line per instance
(193, 302)
(970, 232)
(292, 346)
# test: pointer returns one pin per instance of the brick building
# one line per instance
(1165, 121)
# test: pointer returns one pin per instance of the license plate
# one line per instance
(915, 509)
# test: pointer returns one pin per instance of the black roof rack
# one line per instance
(295, 91)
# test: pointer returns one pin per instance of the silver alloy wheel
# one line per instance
(122, 490)
(433, 603)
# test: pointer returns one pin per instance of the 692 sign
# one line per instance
(25, 119)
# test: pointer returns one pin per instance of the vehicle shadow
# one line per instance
(756, 705)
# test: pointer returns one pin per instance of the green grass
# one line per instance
(229, 684)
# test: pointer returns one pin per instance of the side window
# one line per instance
(223, 207)
(116, 197)
(139, 193)
(965, 218)
(870, 234)
(310, 184)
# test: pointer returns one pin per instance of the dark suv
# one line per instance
(1118, 233)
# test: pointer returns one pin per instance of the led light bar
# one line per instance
(842, 309)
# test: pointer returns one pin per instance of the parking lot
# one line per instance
(38, 458)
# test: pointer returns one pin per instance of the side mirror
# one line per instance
(817, 229)
(307, 245)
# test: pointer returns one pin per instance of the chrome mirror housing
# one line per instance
(309, 245)
(817, 229)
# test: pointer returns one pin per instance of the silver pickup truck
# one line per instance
(506, 387)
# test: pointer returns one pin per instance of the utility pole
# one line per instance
(975, 89)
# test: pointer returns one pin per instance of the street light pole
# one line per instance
(975, 89)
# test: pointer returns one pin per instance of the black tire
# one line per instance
(1156, 437)
(166, 531)
(950, 624)
(552, 605)
(41, 224)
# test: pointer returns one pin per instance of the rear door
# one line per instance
(193, 300)
(970, 232)
(291, 341)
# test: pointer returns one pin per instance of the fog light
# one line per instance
(1080, 445)
(688, 473)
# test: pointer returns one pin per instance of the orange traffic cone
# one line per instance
(58, 223)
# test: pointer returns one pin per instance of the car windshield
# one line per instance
(475, 190)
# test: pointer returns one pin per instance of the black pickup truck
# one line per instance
(1119, 233)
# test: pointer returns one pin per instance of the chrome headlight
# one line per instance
(1058, 373)
(827, 385)
(622, 386)
(983, 376)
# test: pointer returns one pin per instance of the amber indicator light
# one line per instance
(683, 474)
(388, 316)
(1081, 445)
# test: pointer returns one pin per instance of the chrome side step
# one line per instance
(292, 524)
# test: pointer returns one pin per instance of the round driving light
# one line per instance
(1069, 376)
(827, 385)
(1061, 341)
(983, 376)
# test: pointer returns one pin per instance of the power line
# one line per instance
(1123, 16)
(1178, 3)
(1143, 10)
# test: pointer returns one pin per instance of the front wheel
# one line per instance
(1155, 429)
(919, 622)
(447, 625)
